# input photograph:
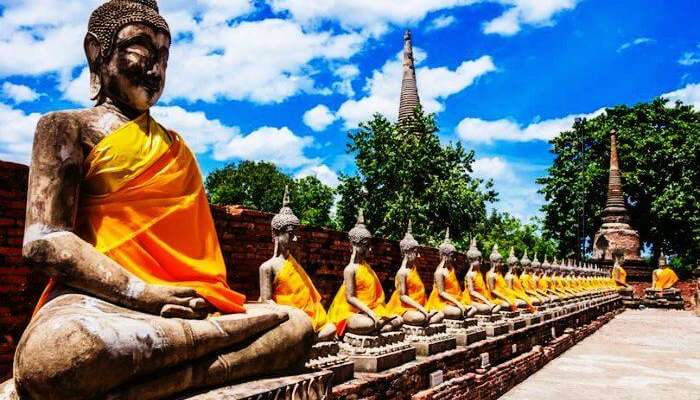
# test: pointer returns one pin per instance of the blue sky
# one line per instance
(284, 80)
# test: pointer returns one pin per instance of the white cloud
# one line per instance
(689, 94)
(434, 86)
(492, 168)
(318, 118)
(477, 130)
(690, 58)
(526, 12)
(347, 74)
(19, 93)
(322, 172)
(17, 133)
(77, 89)
(440, 22)
(200, 133)
(635, 42)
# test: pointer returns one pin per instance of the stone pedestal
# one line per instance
(327, 356)
(669, 298)
(377, 353)
(314, 385)
(493, 325)
(429, 340)
(465, 331)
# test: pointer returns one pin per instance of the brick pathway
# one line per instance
(639, 355)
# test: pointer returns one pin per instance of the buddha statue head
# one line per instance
(285, 225)
(662, 260)
(545, 266)
(127, 48)
(474, 256)
(495, 258)
(512, 260)
(409, 246)
(360, 238)
(534, 266)
(525, 261)
(447, 250)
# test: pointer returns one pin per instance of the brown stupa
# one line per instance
(409, 90)
(615, 236)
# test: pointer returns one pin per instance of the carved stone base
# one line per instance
(327, 356)
(430, 339)
(381, 362)
(495, 328)
(314, 385)
(510, 314)
(483, 318)
(515, 323)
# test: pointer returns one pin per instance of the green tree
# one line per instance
(404, 172)
(659, 151)
(260, 186)
(505, 230)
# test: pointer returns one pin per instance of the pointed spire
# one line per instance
(286, 216)
(285, 198)
(447, 234)
(446, 247)
(615, 210)
(495, 254)
(409, 89)
(359, 232)
(512, 259)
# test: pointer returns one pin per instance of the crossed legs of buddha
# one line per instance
(417, 318)
(361, 324)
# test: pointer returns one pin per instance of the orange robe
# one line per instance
(415, 290)
(368, 289)
(501, 288)
(294, 288)
(519, 291)
(480, 287)
(435, 302)
(142, 203)
(665, 278)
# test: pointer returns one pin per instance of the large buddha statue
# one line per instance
(358, 307)
(138, 304)
(409, 298)
(284, 281)
(663, 278)
(496, 282)
(475, 285)
(446, 295)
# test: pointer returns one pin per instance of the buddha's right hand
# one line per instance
(173, 302)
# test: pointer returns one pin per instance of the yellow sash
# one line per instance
(665, 278)
(368, 289)
(293, 287)
(481, 287)
(435, 302)
(501, 288)
(142, 203)
(416, 291)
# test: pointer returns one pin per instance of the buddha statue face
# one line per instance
(286, 237)
(132, 75)
(411, 256)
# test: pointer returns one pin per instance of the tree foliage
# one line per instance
(260, 186)
(505, 230)
(659, 151)
(404, 172)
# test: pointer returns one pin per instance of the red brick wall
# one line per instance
(19, 289)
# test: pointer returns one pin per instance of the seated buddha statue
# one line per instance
(409, 298)
(138, 304)
(496, 282)
(475, 286)
(446, 296)
(663, 278)
(528, 281)
(544, 282)
(358, 307)
(284, 281)
(514, 283)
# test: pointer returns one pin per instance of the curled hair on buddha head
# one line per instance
(446, 247)
(495, 255)
(104, 24)
(535, 262)
(285, 218)
(359, 232)
(512, 259)
(473, 253)
(408, 242)
(525, 260)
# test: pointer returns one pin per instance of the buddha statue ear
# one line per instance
(94, 57)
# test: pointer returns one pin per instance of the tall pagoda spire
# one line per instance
(615, 210)
(409, 91)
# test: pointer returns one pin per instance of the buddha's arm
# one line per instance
(403, 290)
(473, 292)
(491, 282)
(509, 281)
(653, 279)
(267, 278)
(51, 245)
(350, 293)
(440, 286)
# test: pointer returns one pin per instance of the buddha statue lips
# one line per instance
(139, 304)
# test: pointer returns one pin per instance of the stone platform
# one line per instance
(430, 339)
(377, 353)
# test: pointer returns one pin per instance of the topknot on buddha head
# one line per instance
(473, 253)
(525, 260)
(536, 264)
(495, 256)
(446, 247)
(408, 242)
(113, 15)
(359, 234)
(512, 259)
(285, 219)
